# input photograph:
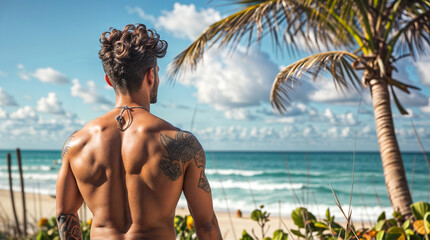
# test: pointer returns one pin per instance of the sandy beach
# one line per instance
(39, 206)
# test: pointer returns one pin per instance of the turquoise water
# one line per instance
(243, 180)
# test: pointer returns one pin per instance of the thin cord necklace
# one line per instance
(120, 118)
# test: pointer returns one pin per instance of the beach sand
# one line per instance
(39, 206)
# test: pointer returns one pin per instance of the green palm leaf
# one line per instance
(284, 20)
(337, 63)
(414, 35)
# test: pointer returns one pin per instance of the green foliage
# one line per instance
(302, 217)
(308, 227)
(262, 217)
(419, 209)
(184, 227)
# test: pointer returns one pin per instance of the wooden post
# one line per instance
(9, 167)
(18, 156)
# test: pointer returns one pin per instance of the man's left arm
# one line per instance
(68, 198)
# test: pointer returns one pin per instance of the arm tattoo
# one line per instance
(203, 182)
(181, 149)
(69, 227)
(66, 145)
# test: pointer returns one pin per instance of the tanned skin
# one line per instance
(131, 180)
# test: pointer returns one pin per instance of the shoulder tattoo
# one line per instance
(67, 144)
(69, 227)
(182, 148)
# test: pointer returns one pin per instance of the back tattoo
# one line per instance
(181, 149)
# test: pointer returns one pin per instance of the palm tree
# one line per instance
(368, 35)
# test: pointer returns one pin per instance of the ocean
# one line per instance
(279, 181)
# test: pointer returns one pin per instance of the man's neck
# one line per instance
(132, 101)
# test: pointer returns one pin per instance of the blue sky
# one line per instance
(51, 83)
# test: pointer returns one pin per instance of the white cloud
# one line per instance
(24, 113)
(347, 118)
(50, 75)
(6, 99)
(409, 133)
(89, 94)
(325, 91)
(23, 73)
(281, 120)
(426, 109)
(184, 21)
(332, 132)
(239, 114)
(3, 113)
(238, 133)
(366, 131)
(35, 130)
(233, 81)
(424, 70)
(330, 115)
(2, 73)
(50, 104)
(414, 99)
(309, 131)
(346, 132)
(294, 110)
(139, 11)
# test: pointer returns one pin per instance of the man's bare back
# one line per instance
(130, 171)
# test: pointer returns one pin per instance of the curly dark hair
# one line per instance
(128, 54)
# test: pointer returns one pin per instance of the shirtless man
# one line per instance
(128, 165)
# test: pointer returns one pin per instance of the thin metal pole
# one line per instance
(9, 167)
(18, 157)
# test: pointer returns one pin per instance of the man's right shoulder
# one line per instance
(75, 142)
(68, 145)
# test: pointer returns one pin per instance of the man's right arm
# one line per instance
(198, 194)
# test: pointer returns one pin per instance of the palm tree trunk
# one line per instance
(394, 172)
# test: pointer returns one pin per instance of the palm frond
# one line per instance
(337, 63)
(414, 36)
(285, 21)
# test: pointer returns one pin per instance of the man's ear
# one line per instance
(150, 77)
(108, 80)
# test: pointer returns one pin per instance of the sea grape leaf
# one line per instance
(320, 225)
(397, 214)
(419, 209)
(396, 233)
(396, 230)
(409, 232)
(42, 235)
(381, 217)
(395, 236)
(300, 214)
(406, 224)
(392, 222)
(246, 236)
(379, 225)
(297, 233)
(256, 215)
(279, 235)
(380, 235)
